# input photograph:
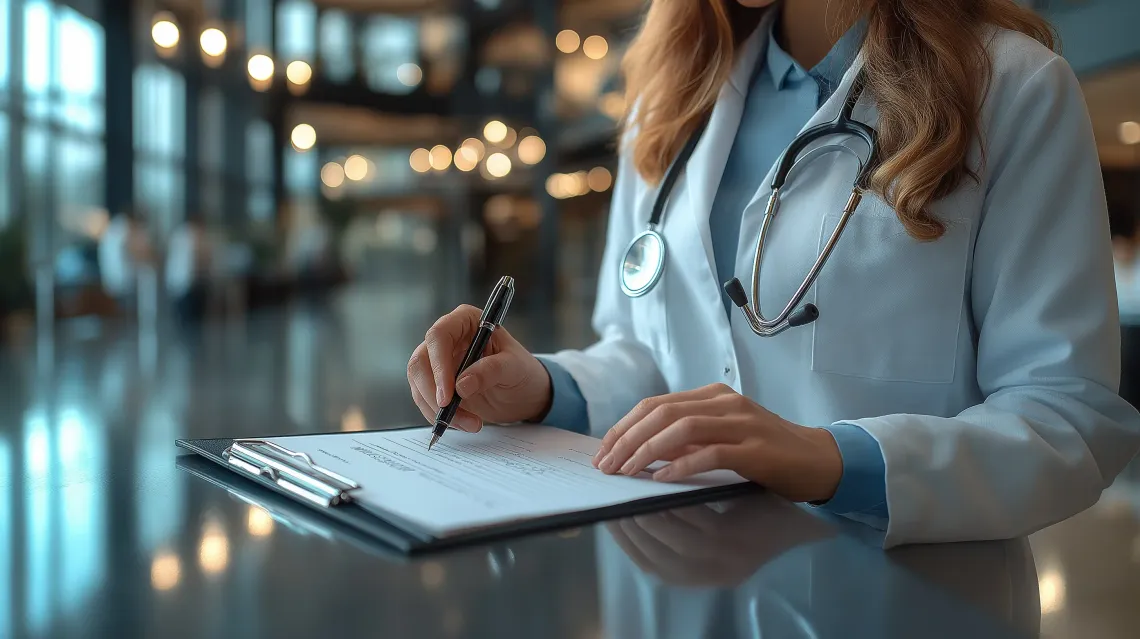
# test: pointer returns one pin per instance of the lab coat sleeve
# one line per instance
(1052, 432)
(617, 371)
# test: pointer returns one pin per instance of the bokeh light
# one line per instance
(595, 47)
(260, 67)
(356, 168)
(495, 132)
(567, 41)
(304, 136)
(213, 42)
(299, 72)
(420, 160)
(599, 179)
(466, 158)
(164, 32)
(332, 175)
(532, 149)
(440, 157)
(498, 165)
(1130, 132)
(409, 74)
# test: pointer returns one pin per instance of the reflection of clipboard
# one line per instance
(291, 514)
(328, 494)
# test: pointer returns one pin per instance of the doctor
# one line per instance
(913, 188)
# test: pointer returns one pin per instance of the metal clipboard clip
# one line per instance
(293, 472)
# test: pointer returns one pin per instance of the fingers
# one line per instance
(705, 459)
(650, 404)
(464, 420)
(482, 375)
(420, 375)
(682, 434)
(636, 434)
(443, 340)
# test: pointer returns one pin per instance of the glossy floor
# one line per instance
(105, 533)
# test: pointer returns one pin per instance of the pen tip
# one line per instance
(434, 439)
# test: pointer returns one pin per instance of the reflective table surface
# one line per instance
(107, 531)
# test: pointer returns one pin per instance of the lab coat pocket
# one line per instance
(890, 306)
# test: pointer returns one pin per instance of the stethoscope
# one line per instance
(645, 257)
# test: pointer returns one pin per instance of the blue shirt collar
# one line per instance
(828, 73)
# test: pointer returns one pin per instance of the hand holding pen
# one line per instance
(507, 384)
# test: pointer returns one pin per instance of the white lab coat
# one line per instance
(986, 364)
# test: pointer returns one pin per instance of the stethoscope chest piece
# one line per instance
(643, 263)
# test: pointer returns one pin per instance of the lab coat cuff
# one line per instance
(567, 406)
(863, 486)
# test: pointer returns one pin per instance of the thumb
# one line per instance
(482, 375)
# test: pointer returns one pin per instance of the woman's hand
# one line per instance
(507, 385)
(716, 427)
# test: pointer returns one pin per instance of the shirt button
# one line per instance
(727, 371)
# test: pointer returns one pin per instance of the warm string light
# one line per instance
(466, 158)
(164, 31)
(440, 157)
(332, 175)
(304, 137)
(420, 160)
(567, 185)
(356, 168)
(498, 165)
(495, 132)
(531, 149)
(1129, 132)
(595, 47)
(299, 72)
(213, 42)
(567, 41)
(260, 68)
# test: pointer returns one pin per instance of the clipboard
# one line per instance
(270, 466)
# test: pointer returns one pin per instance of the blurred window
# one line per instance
(5, 38)
(336, 45)
(259, 169)
(63, 164)
(296, 36)
(160, 145)
(78, 71)
(37, 56)
(258, 24)
(160, 106)
(302, 171)
(388, 43)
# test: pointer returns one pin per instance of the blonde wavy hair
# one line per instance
(927, 69)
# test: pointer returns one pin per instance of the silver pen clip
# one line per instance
(293, 472)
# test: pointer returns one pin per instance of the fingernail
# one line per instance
(608, 464)
(662, 475)
(625, 469)
(439, 398)
(465, 386)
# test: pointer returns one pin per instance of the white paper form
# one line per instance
(472, 480)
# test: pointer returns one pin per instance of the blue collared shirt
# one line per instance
(782, 97)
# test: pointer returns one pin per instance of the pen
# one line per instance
(493, 314)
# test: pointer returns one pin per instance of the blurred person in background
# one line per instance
(959, 380)
(188, 262)
(124, 247)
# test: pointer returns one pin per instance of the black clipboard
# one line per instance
(405, 537)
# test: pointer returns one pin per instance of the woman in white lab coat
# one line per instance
(960, 381)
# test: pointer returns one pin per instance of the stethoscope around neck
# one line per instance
(644, 261)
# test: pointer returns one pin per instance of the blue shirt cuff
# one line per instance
(863, 487)
(567, 406)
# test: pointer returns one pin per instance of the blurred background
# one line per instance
(290, 173)
(224, 217)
